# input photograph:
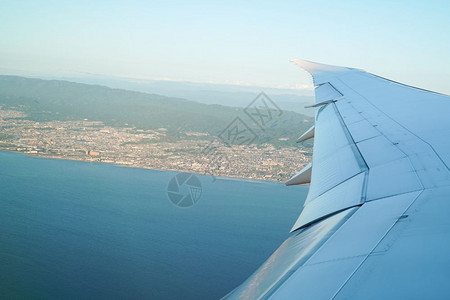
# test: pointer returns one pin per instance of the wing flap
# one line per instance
(347, 194)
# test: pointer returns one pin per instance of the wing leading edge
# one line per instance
(379, 192)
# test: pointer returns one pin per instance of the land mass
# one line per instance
(61, 119)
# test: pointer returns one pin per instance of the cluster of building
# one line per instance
(94, 141)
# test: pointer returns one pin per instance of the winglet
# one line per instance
(320, 72)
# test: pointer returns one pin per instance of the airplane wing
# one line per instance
(376, 221)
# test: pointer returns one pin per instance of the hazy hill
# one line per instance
(222, 94)
(46, 100)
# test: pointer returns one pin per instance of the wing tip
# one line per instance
(320, 71)
(311, 66)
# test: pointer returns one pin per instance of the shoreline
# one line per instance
(33, 155)
(88, 141)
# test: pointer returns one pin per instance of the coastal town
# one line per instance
(195, 152)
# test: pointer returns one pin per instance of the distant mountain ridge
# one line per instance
(208, 93)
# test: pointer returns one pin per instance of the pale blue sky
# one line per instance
(227, 42)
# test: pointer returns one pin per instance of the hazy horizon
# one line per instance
(247, 44)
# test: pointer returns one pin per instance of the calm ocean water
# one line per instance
(88, 230)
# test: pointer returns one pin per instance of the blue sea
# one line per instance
(73, 229)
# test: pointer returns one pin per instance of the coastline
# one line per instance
(148, 149)
(218, 176)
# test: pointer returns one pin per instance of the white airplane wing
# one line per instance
(376, 222)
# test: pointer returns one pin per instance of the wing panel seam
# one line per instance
(374, 247)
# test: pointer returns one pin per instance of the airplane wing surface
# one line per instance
(376, 221)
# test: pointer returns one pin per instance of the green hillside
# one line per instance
(48, 100)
